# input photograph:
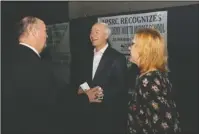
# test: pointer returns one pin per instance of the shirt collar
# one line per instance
(29, 46)
(102, 50)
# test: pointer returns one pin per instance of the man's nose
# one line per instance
(92, 36)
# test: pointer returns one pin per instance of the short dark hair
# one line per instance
(24, 23)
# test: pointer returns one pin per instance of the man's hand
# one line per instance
(93, 94)
(80, 91)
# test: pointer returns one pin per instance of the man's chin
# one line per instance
(94, 44)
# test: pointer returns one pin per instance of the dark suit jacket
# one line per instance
(28, 93)
(133, 71)
(110, 115)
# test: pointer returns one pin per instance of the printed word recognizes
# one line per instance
(133, 20)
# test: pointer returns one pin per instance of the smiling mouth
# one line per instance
(94, 39)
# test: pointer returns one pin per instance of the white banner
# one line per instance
(123, 27)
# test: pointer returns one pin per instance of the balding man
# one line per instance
(30, 96)
(29, 87)
(106, 69)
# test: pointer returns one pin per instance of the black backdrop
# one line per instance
(183, 34)
(13, 11)
(50, 12)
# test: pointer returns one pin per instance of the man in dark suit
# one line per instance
(106, 69)
(29, 86)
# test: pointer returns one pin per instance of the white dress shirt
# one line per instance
(97, 57)
(32, 48)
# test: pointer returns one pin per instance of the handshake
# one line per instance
(94, 94)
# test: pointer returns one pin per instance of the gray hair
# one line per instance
(24, 23)
(107, 29)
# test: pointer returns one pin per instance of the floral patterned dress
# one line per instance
(152, 109)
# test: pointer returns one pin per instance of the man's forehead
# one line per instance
(98, 26)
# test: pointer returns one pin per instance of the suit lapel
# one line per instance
(103, 62)
(91, 68)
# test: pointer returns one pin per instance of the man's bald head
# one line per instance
(103, 26)
(26, 24)
(32, 31)
(99, 35)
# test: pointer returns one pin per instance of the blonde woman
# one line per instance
(151, 108)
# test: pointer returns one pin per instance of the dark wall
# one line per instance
(12, 12)
(80, 46)
(183, 44)
(183, 34)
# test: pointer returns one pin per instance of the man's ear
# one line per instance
(34, 32)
